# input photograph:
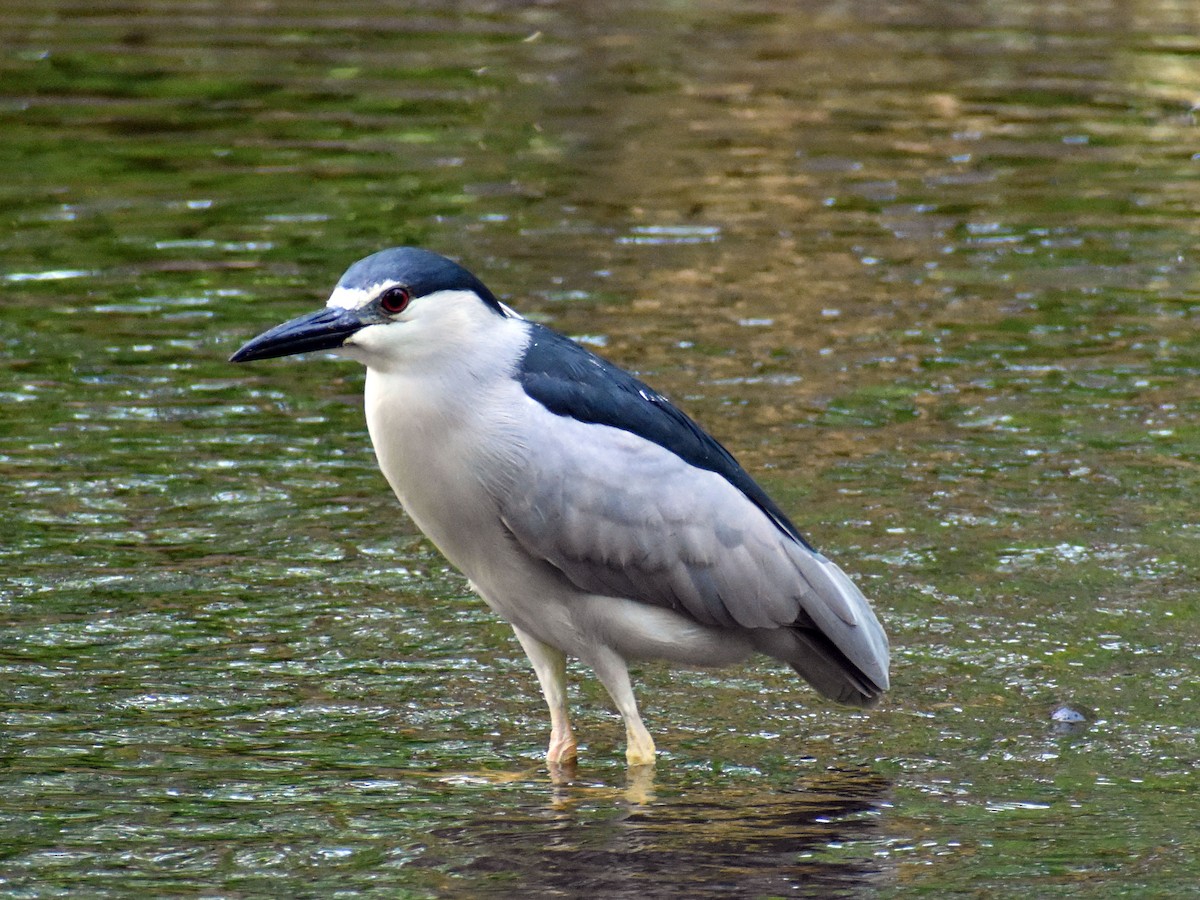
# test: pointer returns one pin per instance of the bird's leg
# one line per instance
(551, 668)
(614, 675)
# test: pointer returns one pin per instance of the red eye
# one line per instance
(394, 300)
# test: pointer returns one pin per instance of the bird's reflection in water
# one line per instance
(646, 840)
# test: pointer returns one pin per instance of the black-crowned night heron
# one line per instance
(585, 508)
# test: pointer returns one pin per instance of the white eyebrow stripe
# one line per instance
(355, 297)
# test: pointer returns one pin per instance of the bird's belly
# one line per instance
(444, 475)
(521, 590)
(640, 631)
(463, 521)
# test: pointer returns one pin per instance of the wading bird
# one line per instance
(588, 511)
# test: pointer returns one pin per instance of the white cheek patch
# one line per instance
(363, 338)
(354, 298)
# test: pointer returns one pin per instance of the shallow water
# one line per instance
(928, 269)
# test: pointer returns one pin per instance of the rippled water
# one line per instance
(927, 268)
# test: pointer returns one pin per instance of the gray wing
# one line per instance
(621, 516)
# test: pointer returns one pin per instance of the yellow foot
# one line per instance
(640, 750)
(562, 752)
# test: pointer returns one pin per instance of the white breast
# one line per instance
(433, 451)
(446, 427)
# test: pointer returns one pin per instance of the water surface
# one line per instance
(928, 269)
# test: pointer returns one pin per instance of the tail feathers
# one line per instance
(819, 662)
(836, 643)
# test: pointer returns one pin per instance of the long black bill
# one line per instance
(322, 330)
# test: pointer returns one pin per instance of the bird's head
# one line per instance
(396, 304)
